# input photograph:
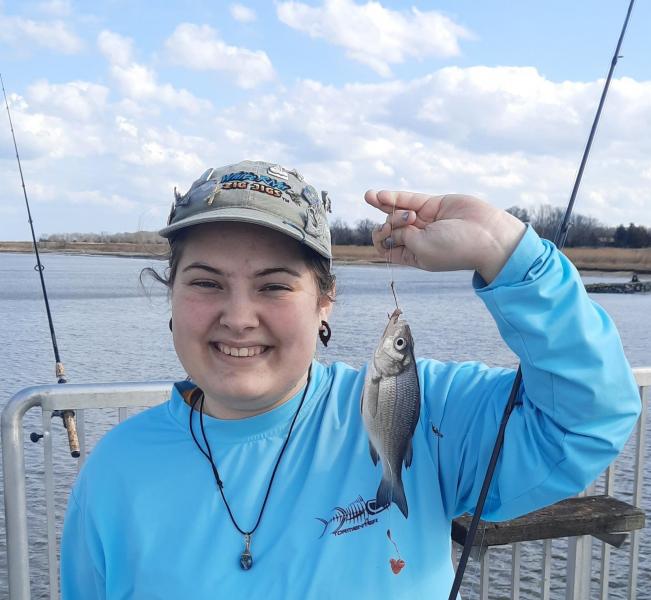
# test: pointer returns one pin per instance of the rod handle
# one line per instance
(71, 427)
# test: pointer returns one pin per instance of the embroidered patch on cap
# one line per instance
(309, 193)
(248, 176)
(181, 200)
(278, 171)
(327, 204)
(172, 213)
(211, 198)
(296, 174)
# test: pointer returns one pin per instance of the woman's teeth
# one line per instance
(240, 352)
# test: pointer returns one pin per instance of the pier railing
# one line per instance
(52, 398)
(593, 526)
(580, 565)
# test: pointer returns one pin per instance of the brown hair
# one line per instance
(319, 265)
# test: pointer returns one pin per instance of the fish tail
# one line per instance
(325, 526)
(392, 491)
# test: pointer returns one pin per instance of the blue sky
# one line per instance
(114, 103)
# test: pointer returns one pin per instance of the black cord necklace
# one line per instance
(246, 559)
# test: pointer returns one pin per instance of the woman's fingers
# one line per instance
(393, 243)
(401, 218)
(425, 207)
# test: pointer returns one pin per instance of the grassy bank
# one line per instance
(611, 259)
(585, 259)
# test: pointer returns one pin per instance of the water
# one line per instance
(109, 330)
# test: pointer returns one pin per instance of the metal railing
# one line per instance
(124, 396)
(51, 398)
(583, 566)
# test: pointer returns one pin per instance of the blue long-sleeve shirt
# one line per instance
(145, 519)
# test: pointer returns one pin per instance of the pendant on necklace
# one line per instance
(246, 560)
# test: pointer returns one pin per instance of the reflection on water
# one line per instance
(109, 330)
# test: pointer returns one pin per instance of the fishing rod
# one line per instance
(559, 240)
(68, 416)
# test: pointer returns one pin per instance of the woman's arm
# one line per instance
(578, 402)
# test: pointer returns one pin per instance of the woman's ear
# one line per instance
(325, 307)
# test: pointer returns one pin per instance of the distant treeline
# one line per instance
(583, 231)
(546, 219)
(137, 237)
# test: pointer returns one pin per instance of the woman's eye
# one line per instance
(275, 287)
(208, 285)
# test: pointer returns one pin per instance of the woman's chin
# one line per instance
(238, 402)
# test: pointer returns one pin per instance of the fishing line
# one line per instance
(66, 415)
(559, 240)
(389, 262)
(477, 569)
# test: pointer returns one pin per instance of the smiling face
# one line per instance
(246, 314)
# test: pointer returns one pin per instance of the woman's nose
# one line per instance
(239, 314)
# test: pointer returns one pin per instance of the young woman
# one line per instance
(254, 479)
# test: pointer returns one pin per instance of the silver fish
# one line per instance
(391, 407)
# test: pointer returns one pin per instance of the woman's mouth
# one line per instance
(239, 352)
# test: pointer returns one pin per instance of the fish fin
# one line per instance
(409, 455)
(392, 491)
(325, 526)
(374, 455)
(370, 396)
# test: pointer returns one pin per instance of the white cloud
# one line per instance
(139, 82)
(242, 13)
(56, 8)
(506, 134)
(77, 100)
(509, 109)
(100, 198)
(384, 168)
(516, 139)
(117, 49)
(50, 131)
(374, 35)
(199, 47)
(25, 34)
(125, 125)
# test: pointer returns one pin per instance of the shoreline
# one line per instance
(623, 261)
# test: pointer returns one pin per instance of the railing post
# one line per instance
(515, 570)
(546, 570)
(484, 575)
(604, 582)
(579, 557)
(637, 493)
(13, 464)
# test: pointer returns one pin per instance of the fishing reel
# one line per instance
(68, 418)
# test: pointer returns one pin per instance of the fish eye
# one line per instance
(400, 343)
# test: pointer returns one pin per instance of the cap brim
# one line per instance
(247, 215)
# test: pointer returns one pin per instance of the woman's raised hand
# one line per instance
(444, 233)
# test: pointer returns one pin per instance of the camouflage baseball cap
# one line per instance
(255, 192)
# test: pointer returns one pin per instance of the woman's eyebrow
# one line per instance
(198, 265)
(261, 273)
(274, 270)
